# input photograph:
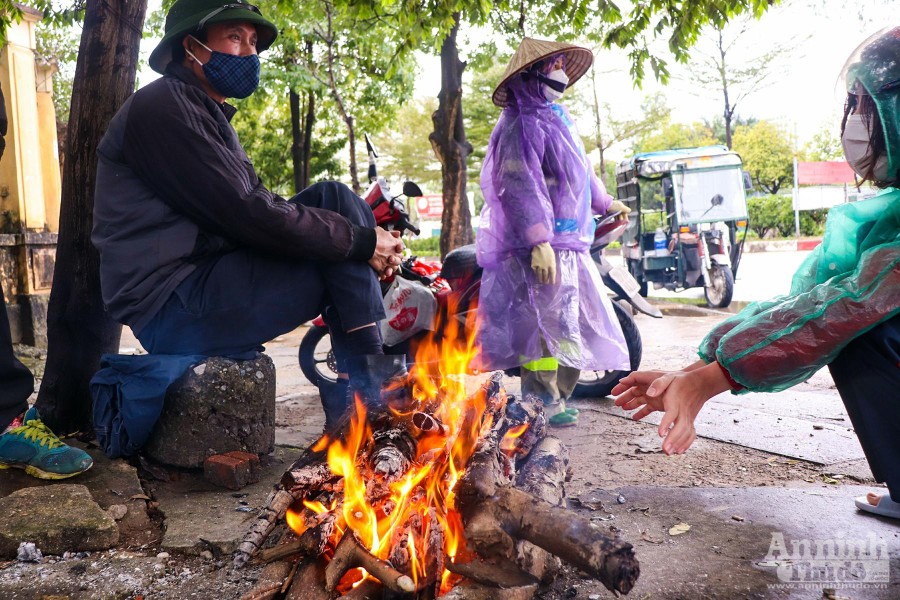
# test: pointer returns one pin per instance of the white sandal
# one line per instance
(885, 507)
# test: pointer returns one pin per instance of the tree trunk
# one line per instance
(296, 142)
(729, 110)
(351, 141)
(301, 135)
(79, 330)
(451, 147)
(301, 138)
(342, 108)
(598, 134)
(308, 124)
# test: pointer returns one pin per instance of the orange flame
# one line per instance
(295, 521)
(404, 518)
(509, 442)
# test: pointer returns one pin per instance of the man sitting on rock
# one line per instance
(197, 256)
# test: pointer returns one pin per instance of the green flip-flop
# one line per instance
(563, 419)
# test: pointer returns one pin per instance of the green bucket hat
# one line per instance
(190, 16)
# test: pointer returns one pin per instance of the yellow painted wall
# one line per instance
(29, 169)
(9, 190)
(49, 159)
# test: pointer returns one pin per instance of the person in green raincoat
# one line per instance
(843, 309)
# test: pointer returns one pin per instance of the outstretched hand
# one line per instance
(680, 395)
(388, 252)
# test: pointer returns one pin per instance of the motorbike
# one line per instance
(456, 284)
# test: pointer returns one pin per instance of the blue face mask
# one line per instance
(232, 76)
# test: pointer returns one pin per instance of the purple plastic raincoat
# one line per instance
(539, 187)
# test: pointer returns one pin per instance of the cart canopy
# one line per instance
(708, 182)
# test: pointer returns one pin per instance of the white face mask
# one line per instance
(856, 148)
(549, 92)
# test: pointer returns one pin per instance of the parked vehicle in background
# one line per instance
(691, 232)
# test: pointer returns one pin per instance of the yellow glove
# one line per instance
(619, 207)
(543, 262)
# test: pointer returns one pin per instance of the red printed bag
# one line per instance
(410, 308)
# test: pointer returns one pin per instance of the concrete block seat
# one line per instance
(218, 406)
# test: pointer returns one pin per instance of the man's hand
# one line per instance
(388, 252)
(680, 395)
(543, 262)
(619, 207)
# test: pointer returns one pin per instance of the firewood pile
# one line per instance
(429, 498)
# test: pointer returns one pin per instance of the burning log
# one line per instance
(350, 555)
(543, 476)
(476, 591)
(277, 505)
(309, 472)
(434, 554)
(497, 573)
(568, 536)
(394, 450)
(427, 423)
(311, 543)
(544, 473)
(494, 513)
(309, 582)
(367, 590)
(526, 427)
(270, 581)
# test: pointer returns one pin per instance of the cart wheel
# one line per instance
(316, 357)
(598, 384)
(721, 289)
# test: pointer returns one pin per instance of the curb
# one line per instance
(679, 309)
(782, 245)
(803, 245)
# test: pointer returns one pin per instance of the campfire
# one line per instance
(449, 489)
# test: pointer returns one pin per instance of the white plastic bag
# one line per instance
(410, 308)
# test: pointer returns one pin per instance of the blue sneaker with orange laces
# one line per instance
(33, 447)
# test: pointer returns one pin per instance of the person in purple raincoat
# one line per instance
(542, 305)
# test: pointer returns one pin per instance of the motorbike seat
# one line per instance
(461, 264)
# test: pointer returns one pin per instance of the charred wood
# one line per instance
(428, 424)
(494, 513)
(497, 573)
(526, 412)
(309, 581)
(568, 536)
(311, 543)
(542, 475)
(477, 591)
(484, 534)
(367, 590)
(395, 450)
(349, 554)
(277, 504)
(270, 581)
(430, 584)
(309, 472)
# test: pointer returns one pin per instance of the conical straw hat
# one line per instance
(530, 51)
